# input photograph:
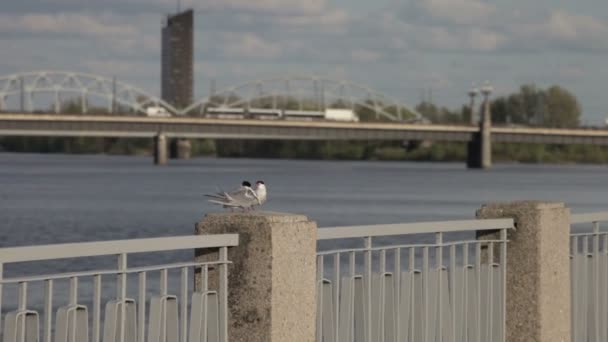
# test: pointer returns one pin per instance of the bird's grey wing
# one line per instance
(243, 197)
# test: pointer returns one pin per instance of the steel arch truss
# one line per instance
(307, 93)
(69, 85)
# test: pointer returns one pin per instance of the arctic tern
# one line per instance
(244, 197)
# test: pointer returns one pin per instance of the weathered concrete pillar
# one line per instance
(160, 149)
(271, 281)
(538, 270)
(486, 136)
(479, 150)
(473, 152)
(181, 149)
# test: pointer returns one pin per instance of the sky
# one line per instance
(403, 49)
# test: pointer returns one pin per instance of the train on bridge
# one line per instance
(331, 114)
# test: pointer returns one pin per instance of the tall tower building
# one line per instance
(177, 59)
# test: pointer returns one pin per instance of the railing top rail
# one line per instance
(589, 217)
(88, 249)
(412, 228)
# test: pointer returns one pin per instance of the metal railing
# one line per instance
(132, 307)
(421, 282)
(589, 277)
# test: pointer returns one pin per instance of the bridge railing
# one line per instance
(589, 277)
(431, 281)
(141, 298)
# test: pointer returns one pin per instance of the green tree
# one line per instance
(532, 106)
(443, 115)
(562, 107)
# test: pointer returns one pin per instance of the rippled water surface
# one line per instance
(64, 198)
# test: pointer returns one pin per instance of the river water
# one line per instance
(67, 198)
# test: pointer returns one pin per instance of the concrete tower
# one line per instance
(177, 59)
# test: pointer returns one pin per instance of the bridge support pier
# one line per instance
(479, 150)
(180, 149)
(160, 149)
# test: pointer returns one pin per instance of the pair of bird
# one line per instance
(245, 197)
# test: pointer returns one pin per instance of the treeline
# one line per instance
(530, 106)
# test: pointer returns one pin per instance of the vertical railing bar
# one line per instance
(22, 296)
(465, 290)
(368, 291)
(223, 294)
(604, 272)
(503, 264)
(141, 325)
(585, 288)
(163, 281)
(397, 291)
(352, 272)
(1, 278)
(74, 301)
(452, 288)
(439, 265)
(490, 291)
(382, 299)
(23, 305)
(122, 295)
(48, 310)
(205, 280)
(96, 307)
(73, 291)
(596, 264)
(319, 289)
(425, 280)
(576, 286)
(352, 264)
(336, 296)
(164, 274)
(412, 269)
(184, 303)
(478, 280)
(320, 299)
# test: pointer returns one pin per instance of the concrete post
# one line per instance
(479, 149)
(181, 149)
(485, 136)
(271, 281)
(160, 149)
(538, 270)
(473, 152)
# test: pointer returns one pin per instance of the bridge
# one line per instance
(20, 124)
(194, 122)
(56, 91)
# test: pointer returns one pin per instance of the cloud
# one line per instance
(334, 21)
(456, 12)
(278, 7)
(364, 55)
(562, 30)
(246, 45)
(66, 23)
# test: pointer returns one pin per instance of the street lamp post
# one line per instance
(486, 91)
(472, 94)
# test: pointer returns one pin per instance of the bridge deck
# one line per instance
(188, 127)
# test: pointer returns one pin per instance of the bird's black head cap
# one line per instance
(246, 183)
